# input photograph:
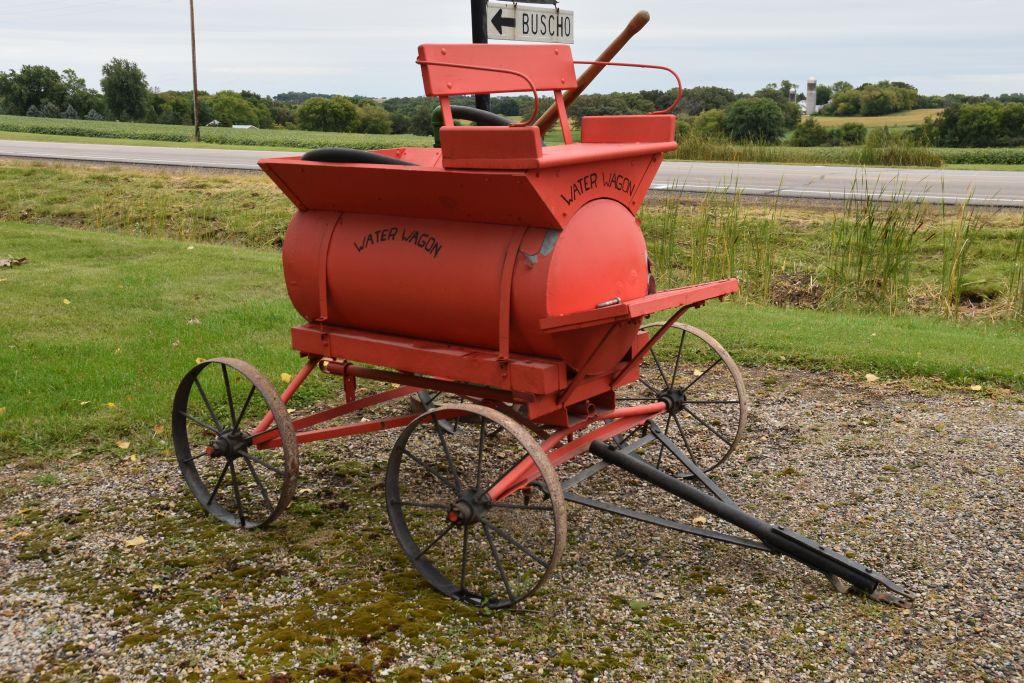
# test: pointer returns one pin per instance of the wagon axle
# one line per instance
(231, 444)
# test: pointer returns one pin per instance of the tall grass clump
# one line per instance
(662, 228)
(886, 148)
(956, 243)
(1017, 277)
(872, 245)
(715, 239)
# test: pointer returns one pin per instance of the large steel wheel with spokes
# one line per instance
(703, 387)
(217, 408)
(483, 552)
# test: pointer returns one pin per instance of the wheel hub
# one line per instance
(674, 399)
(231, 445)
(469, 508)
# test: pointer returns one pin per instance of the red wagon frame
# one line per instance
(554, 410)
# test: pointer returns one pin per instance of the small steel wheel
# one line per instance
(703, 386)
(483, 552)
(218, 407)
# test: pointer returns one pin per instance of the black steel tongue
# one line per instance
(846, 575)
(874, 585)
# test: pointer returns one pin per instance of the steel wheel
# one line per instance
(217, 407)
(467, 547)
(705, 389)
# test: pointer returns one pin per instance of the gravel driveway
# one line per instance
(108, 569)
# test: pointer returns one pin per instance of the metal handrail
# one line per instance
(679, 82)
(477, 67)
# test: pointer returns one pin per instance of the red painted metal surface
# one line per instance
(493, 264)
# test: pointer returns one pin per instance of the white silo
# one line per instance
(812, 96)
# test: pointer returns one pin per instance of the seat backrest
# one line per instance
(549, 67)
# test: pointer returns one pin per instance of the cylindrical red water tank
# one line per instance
(441, 280)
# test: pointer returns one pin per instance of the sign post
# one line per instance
(478, 14)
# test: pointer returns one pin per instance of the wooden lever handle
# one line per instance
(547, 119)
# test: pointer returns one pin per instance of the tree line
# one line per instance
(765, 115)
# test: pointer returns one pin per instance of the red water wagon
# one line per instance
(493, 298)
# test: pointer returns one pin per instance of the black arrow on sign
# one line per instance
(500, 21)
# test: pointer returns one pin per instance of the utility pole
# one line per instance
(478, 10)
(195, 78)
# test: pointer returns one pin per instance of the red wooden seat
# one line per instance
(461, 69)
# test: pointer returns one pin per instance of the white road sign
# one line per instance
(538, 23)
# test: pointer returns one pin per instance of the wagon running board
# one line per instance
(845, 574)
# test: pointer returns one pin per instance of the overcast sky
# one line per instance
(368, 48)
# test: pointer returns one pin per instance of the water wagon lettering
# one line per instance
(423, 240)
(376, 237)
(579, 187)
(619, 182)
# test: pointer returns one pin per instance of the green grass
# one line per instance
(141, 310)
(862, 255)
(903, 119)
(216, 207)
(219, 136)
(700, 148)
(888, 346)
(83, 139)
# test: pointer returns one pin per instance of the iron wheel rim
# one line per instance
(707, 441)
(490, 538)
(245, 487)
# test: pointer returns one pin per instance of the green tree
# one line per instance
(334, 114)
(125, 88)
(755, 119)
(825, 93)
(702, 98)
(77, 94)
(810, 133)
(32, 86)
(710, 123)
(373, 118)
(232, 109)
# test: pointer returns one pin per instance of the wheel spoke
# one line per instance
(433, 472)
(679, 354)
(227, 389)
(245, 406)
(216, 487)
(686, 442)
(448, 457)
(661, 370)
(260, 461)
(654, 390)
(714, 431)
(259, 484)
(209, 406)
(238, 494)
(436, 540)
(199, 422)
(707, 401)
(417, 504)
(517, 506)
(480, 455)
(701, 375)
(190, 459)
(508, 537)
(498, 563)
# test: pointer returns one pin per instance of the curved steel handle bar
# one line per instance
(519, 74)
(679, 83)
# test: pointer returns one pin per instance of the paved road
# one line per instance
(996, 188)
